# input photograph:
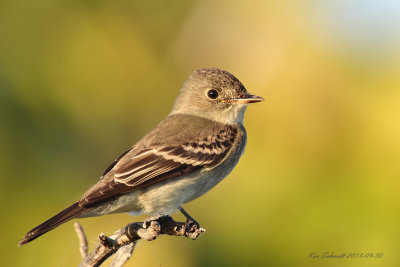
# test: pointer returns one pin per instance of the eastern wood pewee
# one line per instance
(184, 156)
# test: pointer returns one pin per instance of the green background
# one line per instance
(81, 81)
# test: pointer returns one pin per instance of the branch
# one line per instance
(83, 244)
(123, 241)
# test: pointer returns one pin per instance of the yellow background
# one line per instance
(81, 81)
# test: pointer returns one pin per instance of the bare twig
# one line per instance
(124, 240)
(123, 255)
(83, 244)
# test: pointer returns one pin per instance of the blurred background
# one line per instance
(81, 81)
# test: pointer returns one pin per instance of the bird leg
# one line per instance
(191, 224)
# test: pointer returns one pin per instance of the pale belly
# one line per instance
(166, 197)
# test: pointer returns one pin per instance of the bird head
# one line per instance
(214, 94)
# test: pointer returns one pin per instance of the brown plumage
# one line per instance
(187, 154)
(69, 213)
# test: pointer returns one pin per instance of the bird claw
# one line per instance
(191, 226)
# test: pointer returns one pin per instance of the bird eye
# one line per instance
(213, 94)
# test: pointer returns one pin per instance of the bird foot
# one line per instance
(192, 227)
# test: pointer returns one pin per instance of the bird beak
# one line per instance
(247, 98)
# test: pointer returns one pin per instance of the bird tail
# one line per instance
(69, 213)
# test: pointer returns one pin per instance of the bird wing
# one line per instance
(159, 161)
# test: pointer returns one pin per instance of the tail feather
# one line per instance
(69, 213)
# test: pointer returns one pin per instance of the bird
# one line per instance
(184, 156)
